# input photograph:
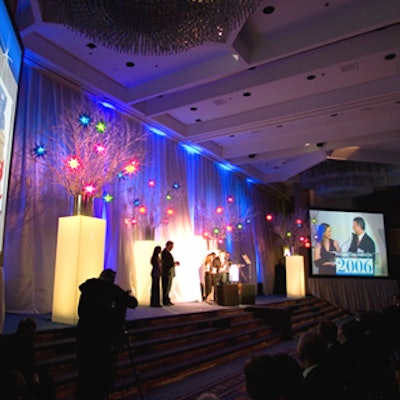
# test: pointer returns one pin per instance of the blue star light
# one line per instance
(84, 120)
(39, 150)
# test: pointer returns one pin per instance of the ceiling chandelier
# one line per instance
(349, 178)
(150, 27)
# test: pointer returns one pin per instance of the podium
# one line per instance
(228, 295)
(247, 293)
(295, 281)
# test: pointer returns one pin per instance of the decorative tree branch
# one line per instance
(291, 230)
(153, 205)
(228, 219)
(87, 150)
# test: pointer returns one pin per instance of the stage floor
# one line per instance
(141, 312)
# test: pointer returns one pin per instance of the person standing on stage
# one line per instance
(155, 277)
(168, 272)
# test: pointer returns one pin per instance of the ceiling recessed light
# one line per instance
(198, 120)
(91, 45)
(246, 94)
(311, 77)
(130, 64)
(193, 108)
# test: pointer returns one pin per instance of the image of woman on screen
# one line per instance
(324, 251)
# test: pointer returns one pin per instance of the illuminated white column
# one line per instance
(79, 256)
(141, 271)
(295, 283)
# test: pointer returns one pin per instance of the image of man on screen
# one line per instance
(361, 242)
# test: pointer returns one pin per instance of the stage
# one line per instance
(141, 312)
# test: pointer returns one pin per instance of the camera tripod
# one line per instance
(122, 344)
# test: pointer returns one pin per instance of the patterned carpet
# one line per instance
(231, 388)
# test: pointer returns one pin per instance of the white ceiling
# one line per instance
(310, 81)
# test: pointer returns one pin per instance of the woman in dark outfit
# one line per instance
(155, 277)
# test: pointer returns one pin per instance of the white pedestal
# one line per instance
(79, 256)
(141, 271)
(295, 283)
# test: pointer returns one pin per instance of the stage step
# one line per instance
(168, 349)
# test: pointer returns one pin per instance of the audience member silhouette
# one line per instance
(273, 377)
(318, 380)
(102, 308)
(391, 318)
(20, 377)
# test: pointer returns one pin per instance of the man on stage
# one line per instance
(168, 272)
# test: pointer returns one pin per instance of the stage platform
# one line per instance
(141, 312)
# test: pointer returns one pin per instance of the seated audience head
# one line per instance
(328, 330)
(26, 328)
(311, 349)
(349, 331)
(273, 377)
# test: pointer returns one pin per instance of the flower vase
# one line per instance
(149, 233)
(83, 205)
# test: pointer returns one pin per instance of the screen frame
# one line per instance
(361, 211)
(16, 55)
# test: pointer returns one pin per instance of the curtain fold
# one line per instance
(36, 201)
(355, 294)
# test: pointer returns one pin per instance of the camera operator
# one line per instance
(102, 308)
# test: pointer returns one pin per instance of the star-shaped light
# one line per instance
(84, 120)
(39, 150)
(132, 167)
(142, 209)
(121, 175)
(136, 202)
(170, 211)
(176, 185)
(108, 198)
(89, 189)
(99, 148)
(230, 199)
(73, 163)
(101, 127)
(168, 197)
(219, 210)
(152, 183)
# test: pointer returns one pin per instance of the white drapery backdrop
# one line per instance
(35, 202)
